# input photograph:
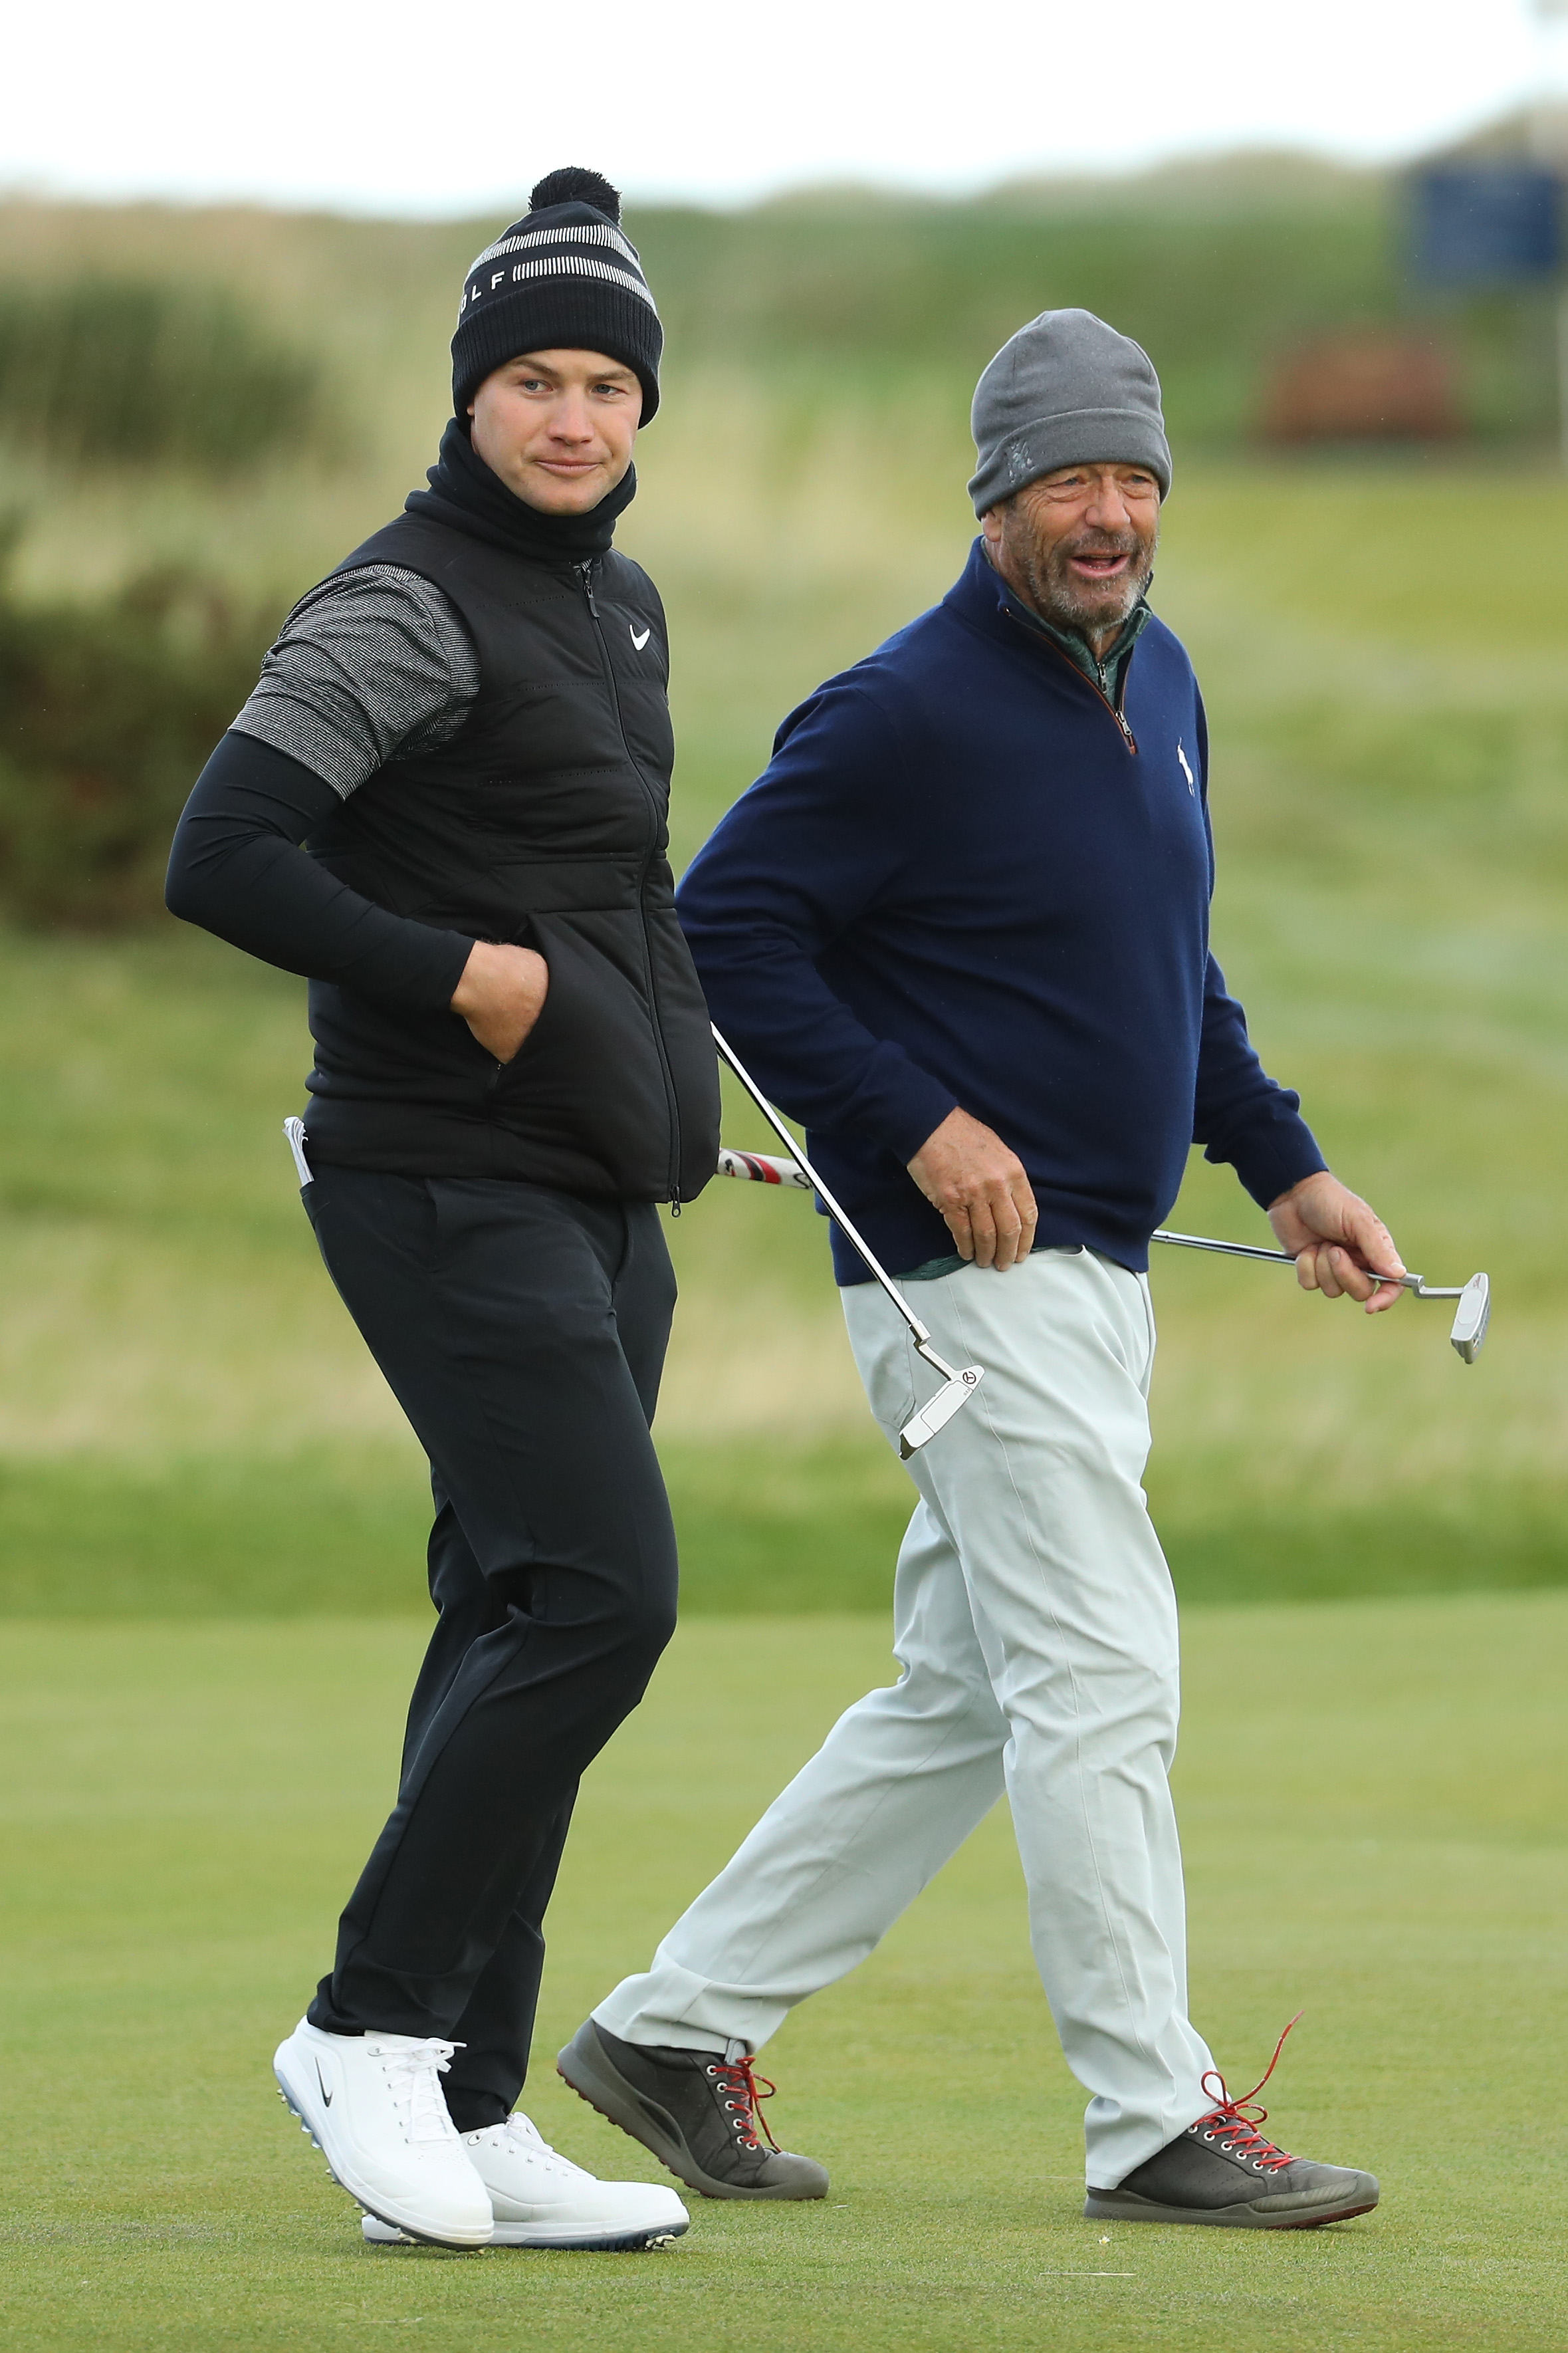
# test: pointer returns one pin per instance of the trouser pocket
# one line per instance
(884, 1354)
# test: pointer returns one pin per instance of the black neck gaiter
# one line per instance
(464, 494)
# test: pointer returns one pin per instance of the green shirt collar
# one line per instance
(1110, 675)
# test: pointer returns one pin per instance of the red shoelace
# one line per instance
(1234, 2123)
(738, 2075)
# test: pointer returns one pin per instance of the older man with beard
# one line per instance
(961, 928)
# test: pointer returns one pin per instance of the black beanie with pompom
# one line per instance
(564, 278)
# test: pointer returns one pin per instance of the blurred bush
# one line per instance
(127, 371)
(107, 711)
(1211, 267)
(1366, 387)
(1220, 268)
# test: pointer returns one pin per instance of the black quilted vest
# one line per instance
(542, 822)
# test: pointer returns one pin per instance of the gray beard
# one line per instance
(1057, 600)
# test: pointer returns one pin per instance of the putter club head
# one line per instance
(938, 1411)
(1471, 1318)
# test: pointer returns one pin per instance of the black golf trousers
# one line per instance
(522, 1332)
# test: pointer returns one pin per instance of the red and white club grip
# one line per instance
(761, 1168)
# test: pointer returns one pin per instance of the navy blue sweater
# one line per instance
(963, 881)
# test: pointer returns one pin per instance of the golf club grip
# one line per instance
(759, 1168)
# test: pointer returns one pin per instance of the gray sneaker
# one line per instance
(1222, 2170)
(696, 2111)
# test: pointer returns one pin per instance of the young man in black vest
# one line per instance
(465, 726)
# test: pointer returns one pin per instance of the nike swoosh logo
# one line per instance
(1192, 781)
(640, 642)
(326, 2096)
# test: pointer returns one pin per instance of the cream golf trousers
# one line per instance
(1036, 1627)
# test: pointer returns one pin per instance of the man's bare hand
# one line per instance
(1334, 1240)
(501, 994)
(979, 1186)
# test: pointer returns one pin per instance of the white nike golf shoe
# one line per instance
(541, 2199)
(373, 2105)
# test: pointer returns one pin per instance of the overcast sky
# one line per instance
(394, 107)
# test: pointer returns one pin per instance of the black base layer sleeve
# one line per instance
(237, 868)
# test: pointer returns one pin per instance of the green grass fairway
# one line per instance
(1373, 1798)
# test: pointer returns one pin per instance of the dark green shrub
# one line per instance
(107, 713)
(121, 371)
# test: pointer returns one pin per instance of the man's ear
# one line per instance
(991, 524)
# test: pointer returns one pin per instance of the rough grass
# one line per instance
(1218, 267)
(767, 1530)
(187, 1419)
(1373, 1803)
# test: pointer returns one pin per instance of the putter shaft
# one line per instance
(877, 1271)
(1471, 1316)
(927, 1419)
(1414, 1283)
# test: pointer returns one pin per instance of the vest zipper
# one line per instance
(1127, 735)
(585, 573)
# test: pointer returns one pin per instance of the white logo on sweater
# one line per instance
(640, 642)
(1192, 780)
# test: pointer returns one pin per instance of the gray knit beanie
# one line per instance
(1066, 390)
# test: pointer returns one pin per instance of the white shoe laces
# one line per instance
(415, 2075)
(525, 2137)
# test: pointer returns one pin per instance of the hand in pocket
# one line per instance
(501, 996)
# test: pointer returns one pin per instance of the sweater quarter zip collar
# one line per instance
(983, 597)
(1108, 672)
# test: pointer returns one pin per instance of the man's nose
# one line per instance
(572, 422)
(1107, 510)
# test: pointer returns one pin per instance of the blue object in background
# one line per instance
(1487, 224)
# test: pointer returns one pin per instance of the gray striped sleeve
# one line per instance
(371, 666)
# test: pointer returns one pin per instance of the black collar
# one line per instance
(464, 494)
